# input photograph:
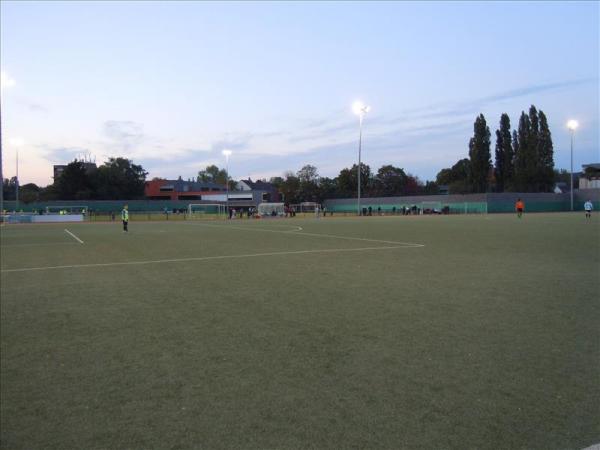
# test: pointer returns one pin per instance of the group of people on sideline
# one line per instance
(519, 208)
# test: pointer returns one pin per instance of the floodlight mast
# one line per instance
(5, 82)
(572, 125)
(227, 154)
(360, 109)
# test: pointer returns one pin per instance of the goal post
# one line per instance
(67, 209)
(207, 211)
(271, 209)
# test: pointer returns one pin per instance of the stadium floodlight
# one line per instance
(572, 125)
(227, 154)
(5, 82)
(360, 109)
(16, 143)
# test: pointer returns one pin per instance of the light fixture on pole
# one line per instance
(16, 143)
(5, 82)
(227, 154)
(572, 125)
(360, 109)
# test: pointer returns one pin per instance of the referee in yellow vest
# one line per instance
(125, 218)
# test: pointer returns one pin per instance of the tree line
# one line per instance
(306, 185)
(116, 179)
(523, 162)
(524, 158)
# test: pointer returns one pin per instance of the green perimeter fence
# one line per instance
(451, 204)
(468, 204)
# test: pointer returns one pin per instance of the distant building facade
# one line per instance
(160, 189)
(273, 196)
(207, 192)
(590, 178)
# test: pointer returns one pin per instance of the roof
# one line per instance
(259, 185)
(592, 166)
(194, 186)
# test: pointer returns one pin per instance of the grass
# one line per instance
(486, 337)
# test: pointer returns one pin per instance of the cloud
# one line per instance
(6, 81)
(64, 155)
(126, 134)
(453, 109)
(232, 142)
(36, 107)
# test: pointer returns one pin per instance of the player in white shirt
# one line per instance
(588, 206)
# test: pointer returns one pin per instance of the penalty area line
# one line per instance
(202, 258)
(73, 236)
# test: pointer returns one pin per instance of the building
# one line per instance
(273, 194)
(161, 189)
(590, 178)
(207, 192)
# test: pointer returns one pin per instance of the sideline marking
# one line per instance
(203, 258)
(300, 232)
(78, 240)
(36, 245)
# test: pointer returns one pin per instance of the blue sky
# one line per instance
(172, 84)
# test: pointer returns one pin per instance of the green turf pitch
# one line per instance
(276, 334)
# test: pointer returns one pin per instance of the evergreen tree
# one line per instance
(545, 156)
(525, 158)
(479, 154)
(504, 155)
(515, 145)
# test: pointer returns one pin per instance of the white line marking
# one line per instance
(35, 245)
(304, 233)
(204, 258)
(78, 240)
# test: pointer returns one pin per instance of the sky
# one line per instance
(172, 84)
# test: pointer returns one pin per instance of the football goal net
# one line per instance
(306, 207)
(67, 209)
(271, 210)
(207, 211)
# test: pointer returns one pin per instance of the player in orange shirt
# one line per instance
(519, 206)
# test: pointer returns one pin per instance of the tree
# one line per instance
(308, 178)
(74, 183)
(431, 188)
(525, 157)
(348, 180)
(389, 181)
(413, 185)
(545, 153)
(120, 179)
(212, 174)
(9, 188)
(516, 154)
(308, 174)
(562, 175)
(327, 188)
(48, 193)
(456, 178)
(29, 192)
(290, 188)
(504, 169)
(479, 154)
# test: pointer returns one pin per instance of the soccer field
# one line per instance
(375, 332)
